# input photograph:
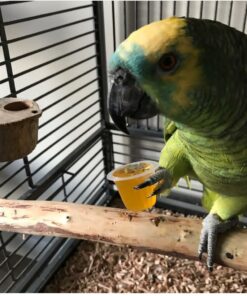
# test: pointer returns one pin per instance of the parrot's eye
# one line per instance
(167, 62)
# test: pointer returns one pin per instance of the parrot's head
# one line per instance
(170, 67)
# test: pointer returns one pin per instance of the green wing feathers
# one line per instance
(169, 128)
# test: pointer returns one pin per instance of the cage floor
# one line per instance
(97, 267)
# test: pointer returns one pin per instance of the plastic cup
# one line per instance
(126, 177)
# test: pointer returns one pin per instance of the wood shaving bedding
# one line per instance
(98, 267)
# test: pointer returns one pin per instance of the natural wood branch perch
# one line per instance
(158, 233)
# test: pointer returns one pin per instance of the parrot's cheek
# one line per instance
(127, 100)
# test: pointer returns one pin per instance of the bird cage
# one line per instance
(58, 56)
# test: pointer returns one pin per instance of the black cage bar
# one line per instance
(58, 57)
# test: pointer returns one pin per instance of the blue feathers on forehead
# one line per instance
(135, 61)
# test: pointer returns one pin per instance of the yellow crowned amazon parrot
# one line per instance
(193, 72)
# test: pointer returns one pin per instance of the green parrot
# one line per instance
(194, 73)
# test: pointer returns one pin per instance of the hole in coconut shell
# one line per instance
(16, 106)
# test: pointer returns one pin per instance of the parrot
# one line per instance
(193, 72)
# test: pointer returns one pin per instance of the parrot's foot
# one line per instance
(212, 225)
(162, 177)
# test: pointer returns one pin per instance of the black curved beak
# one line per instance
(127, 99)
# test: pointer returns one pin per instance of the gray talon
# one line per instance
(158, 176)
(203, 243)
(212, 240)
(162, 176)
(162, 186)
(212, 225)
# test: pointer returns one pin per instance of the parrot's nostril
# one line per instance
(122, 76)
(119, 79)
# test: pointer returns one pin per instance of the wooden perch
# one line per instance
(154, 232)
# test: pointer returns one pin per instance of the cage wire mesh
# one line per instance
(53, 56)
(59, 57)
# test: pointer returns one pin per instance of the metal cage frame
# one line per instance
(34, 275)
